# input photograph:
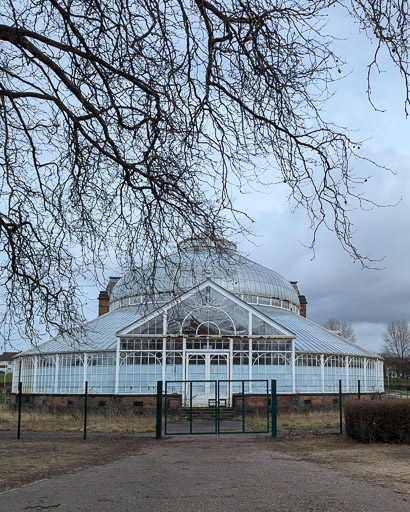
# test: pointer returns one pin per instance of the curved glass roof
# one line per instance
(180, 272)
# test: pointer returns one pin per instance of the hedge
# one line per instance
(385, 421)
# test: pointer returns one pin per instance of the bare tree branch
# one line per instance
(343, 329)
(125, 125)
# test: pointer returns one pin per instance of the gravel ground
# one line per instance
(205, 473)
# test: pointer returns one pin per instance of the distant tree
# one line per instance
(343, 329)
(396, 367)
(396, 339)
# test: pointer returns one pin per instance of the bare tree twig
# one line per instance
(124, 126)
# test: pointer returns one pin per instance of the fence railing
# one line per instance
(270, 406)
(397, 391)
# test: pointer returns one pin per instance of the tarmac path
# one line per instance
(204, 473)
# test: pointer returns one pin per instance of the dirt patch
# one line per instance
(387, 465)
(29, 460)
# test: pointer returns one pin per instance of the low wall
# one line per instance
(137, 403)
(296, 401)
(143, 403)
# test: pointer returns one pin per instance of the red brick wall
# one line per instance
(293, 401)
(141, 403)
(103, 300)
(303, 303)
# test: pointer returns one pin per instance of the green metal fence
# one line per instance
(215, 407)
(243, 411)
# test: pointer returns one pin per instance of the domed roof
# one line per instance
(180, 272)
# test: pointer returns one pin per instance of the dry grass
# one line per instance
(308, 420)
(293, 420)
(43, 421)
(38, 420)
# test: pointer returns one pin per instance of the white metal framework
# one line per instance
(206, 334)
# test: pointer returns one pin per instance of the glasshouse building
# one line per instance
(210, 319)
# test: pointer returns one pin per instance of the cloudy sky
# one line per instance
(334, 285)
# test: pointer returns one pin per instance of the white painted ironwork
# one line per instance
(100, 371)
(205, 334)
(71, 373)
(335, 370)
(308, 373)
(46, 372)
(356, 372)
(85, 363)
(211, 305)
(205, 367)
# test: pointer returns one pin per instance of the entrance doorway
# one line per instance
(206, 368)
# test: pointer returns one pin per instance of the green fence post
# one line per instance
(267, 406)
(358, 390)
(19, 409)
(85, 409)
(243, 406)
(274, 409)
(159, 410)
(340, 406)
(190, 406)
(217, 416)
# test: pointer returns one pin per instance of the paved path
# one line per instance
(204, 473)
(203, 427)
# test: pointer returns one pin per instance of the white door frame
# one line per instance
(207, 354)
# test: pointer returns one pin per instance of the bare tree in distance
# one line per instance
(396, 339)
(343, 329)
(396, 348)
(396, 367)
(126, 124)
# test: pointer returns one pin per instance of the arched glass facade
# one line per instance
(206, 333)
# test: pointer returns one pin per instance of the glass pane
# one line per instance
(153, 326)
(219, 371)
(261, 328)
(208, 312)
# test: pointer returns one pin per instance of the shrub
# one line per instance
(378, 421)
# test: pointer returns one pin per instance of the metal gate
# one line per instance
(215, 407)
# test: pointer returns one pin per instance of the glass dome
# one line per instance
(194, 265)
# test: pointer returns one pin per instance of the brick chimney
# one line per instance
(103, 299)
(302, 299)
(303, 302)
